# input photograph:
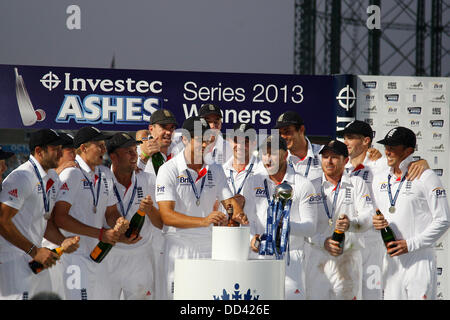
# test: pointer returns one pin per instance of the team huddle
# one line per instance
(61, 205)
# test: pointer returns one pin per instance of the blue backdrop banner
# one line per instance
(119, 99)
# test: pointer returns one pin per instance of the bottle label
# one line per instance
(96, 252)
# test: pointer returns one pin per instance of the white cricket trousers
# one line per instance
(17, 281)
(333, 278)
(410, 276)
(127, 271)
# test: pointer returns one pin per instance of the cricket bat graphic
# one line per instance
(26, 109)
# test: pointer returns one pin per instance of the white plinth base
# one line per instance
(230, 243)
(205, 279)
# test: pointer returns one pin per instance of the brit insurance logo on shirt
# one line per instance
(383, 186)
(367, 197)
(314, 198)
(439, 192)
(160, 189)
(183, 180)
(260, 192)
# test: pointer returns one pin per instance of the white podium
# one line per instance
(207, 279)
(229, 275)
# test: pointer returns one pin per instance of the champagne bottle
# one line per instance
(102, 248)
(339, 236)
(136, 224)
(386, 234)
(100, 251)
(158, 161)
(231, 222)
(37, 267)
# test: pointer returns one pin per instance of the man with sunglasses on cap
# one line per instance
(303, 213)
(417, 212)
(186, 189)
(85, 200)
(358, 137)
(26, 202)
(156, 147)
(334, 268)
(129, 268)
(219, 150)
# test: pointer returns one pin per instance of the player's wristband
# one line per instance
(146, 156)
(100, 236)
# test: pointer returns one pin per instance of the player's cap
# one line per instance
(336, 147)
(276, 140)
(5, 154)
(44, 137)
(120, 140)
(399, 136)
(196, 126)
(242, 127)
(289, 118)
(68, 140)
(163, 116)
(209, 108)
(87, 134)
(356, 127)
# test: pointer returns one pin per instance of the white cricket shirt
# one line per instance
(142, 185)
(172, 184)
(303, 214)
(311, 165)
(421, 214)
(353, 199)
(76, 191)
(22, 191)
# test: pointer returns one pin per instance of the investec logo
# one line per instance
(104, 100)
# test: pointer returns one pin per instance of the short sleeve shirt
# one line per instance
(173, 184)
(22, 191)
(85, 189)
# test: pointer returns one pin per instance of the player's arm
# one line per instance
(170, 217)
(9, 231)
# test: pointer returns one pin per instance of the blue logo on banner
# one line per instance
(237, 295)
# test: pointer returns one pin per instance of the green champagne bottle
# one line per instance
(338, 235)
(386, 234)
(158, 161)
(37, 267)
(100, 251)
(136, 224)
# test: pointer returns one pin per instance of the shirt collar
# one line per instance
(403, 165)
(117, 183)
(309, 154)
(38, 165)
(350, 168)
(345, 179)
(181, 164)
(289, 176)
(83, 165)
